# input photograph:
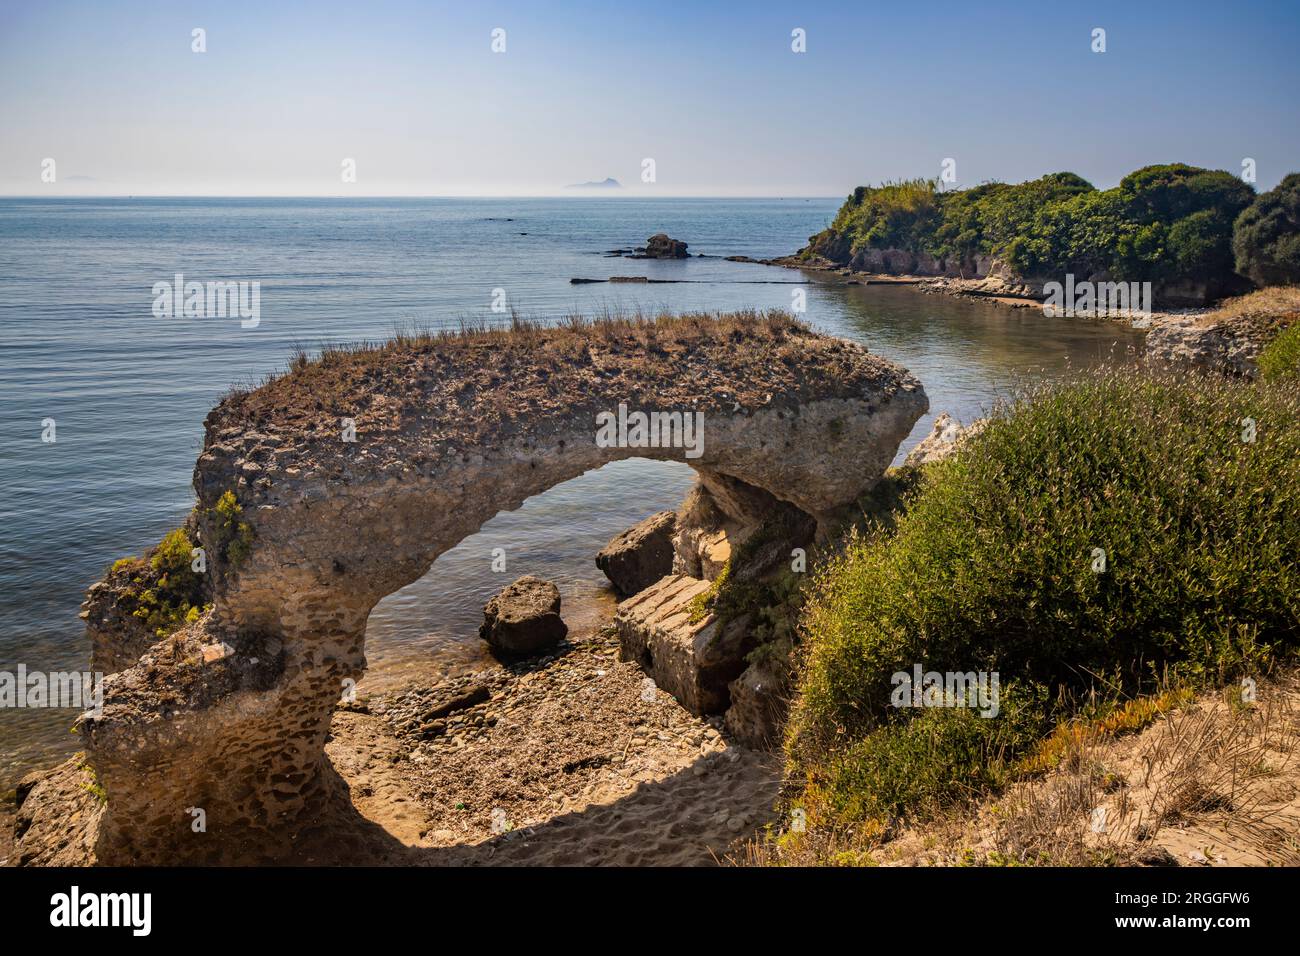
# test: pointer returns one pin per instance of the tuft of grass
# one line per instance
(92, 785)
(702, 605)
(991, 568)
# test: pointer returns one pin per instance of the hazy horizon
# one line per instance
(281, 98)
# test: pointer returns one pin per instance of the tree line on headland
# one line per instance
(1176, 226)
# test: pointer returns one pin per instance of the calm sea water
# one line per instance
(129, 391)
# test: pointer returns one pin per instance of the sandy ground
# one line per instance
(574, 758)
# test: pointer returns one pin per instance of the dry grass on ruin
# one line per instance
(490, 375)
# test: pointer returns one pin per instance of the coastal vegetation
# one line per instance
(234, 535)
(1280, 358)
(1168, 224)
(1266, 241)
(162, 589)
(1183, 485)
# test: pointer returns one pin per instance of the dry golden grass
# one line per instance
(1206, 780)
(1212, 782)
(471, 383)
(570, 334)
(1263, 306)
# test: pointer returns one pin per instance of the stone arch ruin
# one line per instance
(231, 714)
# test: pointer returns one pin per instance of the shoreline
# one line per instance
(1226, 336)
(450, 762)
(959, 288)
(574, 740)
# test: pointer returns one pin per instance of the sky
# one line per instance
(414, 94)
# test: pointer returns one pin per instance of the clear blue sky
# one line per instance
(710, 91)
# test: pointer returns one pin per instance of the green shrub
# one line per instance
(893, 216)
(234, 535)
(1280, 358)
(163, 590)
(920, 763)
(1266, 238)
(990, 568)
(985, 219)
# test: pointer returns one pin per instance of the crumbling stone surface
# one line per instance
(759, 703)
(689, 654)
(56, 822)
(943, 441)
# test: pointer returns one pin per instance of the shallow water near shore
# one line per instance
(129, 391)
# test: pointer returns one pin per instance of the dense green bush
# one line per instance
(914, 765)
(893, 216)
(1164, 224)
(991, 568)
(984, 220)
(1280, 358)
(1267, 237)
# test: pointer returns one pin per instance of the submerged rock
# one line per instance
(524, 618)
(641, 555)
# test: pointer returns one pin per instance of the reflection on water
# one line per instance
(966, 352)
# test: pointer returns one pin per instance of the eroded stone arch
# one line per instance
(231, 714)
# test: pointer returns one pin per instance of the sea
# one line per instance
(86, 360)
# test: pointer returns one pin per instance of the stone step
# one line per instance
(692, 660)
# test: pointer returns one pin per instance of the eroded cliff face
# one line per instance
(900, 262)
(979, 274)
(329, 488)
(834, 248)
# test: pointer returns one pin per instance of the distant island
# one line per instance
(607, 183)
